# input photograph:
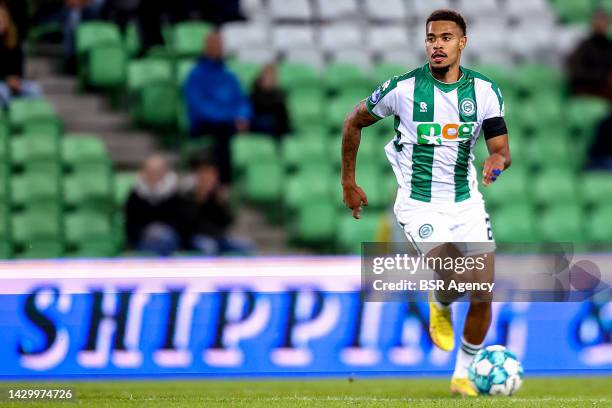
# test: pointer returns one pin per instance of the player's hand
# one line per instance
(492, 169)
(354, 198)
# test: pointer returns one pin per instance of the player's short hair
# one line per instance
(448, 15)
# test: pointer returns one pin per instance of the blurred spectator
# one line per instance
(153, 212)
(208, 213)
(269, 104)
(216, 104)
(590, 65)
(19, 12)
(12, 83)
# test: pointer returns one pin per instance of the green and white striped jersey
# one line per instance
(437, 125)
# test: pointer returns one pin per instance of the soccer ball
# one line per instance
(496, 371)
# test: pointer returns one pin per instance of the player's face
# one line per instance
(444, 42)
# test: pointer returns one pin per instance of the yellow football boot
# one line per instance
(440, 325)
(463, 386)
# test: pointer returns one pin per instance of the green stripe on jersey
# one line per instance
(468, 112)
(422, 155)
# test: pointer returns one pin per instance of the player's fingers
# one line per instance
(356, 212)
(363, 196)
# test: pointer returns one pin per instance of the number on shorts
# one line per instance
(489, 231)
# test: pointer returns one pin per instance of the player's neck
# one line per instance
(452, 75)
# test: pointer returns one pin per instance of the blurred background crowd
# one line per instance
(213, 127)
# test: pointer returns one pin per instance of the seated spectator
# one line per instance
(12, 82)
(590, 65)
(600, 154)
(153, 211)
(209, 215)
(216, 104)
(269, 104)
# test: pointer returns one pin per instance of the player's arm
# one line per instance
(356, 120)
(496, 136)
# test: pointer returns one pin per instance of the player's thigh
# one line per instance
(472, 228)
(426, 230)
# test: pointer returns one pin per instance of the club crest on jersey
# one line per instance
(425, 231)
(375, 97)
(467, 106)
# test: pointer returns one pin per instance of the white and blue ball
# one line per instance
(495, 370)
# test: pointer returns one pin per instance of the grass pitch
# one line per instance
(536, 392)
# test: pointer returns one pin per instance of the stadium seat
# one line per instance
(246, 72)
(256, 55)
(303, 151)
(263, 181)
(93, 33)
(238, 35)
(313, 57)
(340, 36)
(124, 182)
(188, 38)
(359, 57)
(131, 39)
(311, 184)
(52, 128)
(351, 232)
(90, 233)
(369, 177)
(23, 111)
(573, 11)
(31, 188)
(252, 148)
(391, 37)
(305, 106)
(340, 76)
(599, 224)
(83, 148)
(383, 72)
(475, 10)
(38, 233)
(388, 10)
(89, 189)
(553, 186)
(543, 153)
(102, 54)
(294, 76)
(6, 245)
(290, 9)
(584, 113)
(596, 187)
(285, 38)
(183, 70)
(533, 78)
(337, 110)
(562, 223)
(337, 9)
(514, 223)
(533, 9)
(31, 148)
(153, 94)
(315, 222)
(511, 188)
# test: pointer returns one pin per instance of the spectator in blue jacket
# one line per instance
(216, 104)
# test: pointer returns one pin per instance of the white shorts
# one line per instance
(428, 225)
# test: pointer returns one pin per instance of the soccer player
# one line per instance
(439, 109)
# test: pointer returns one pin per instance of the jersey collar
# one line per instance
(444, 86)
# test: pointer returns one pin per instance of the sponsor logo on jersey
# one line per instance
(467, 106)
(425, 231)
(423, 106)
(436, 133)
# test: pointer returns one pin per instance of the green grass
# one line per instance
(536, 392)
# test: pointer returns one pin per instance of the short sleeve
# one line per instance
(494, 103)
(382, 102)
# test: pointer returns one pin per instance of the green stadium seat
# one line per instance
(296, 75)
(596, 187)
(90, 233)
(246, 72)
(107, 66)
(315, 222)
(599, 224)
(31, 188)
(514, 223)
(300, 151)
(183, 70)
(337, 110)
(152, 89)
(305, 106)
(29, 110)
(511, 188)
(6, 245)
(188, 38)
(93, 33)
(339, 76)
(313, 183)
(53, 128)
(531, 79)
(584, 114)
(351, 233)
(562, 223)
(89, 189)
(124, 182)
(369, 178)
(4, 184)
(30, 148)
(543, 153)
(554, 186)
(132, 39)
(38, 233)
(263, 181)
(383, 72)
(83, 148)
(251, 148)
(541, 112)
(573, 11)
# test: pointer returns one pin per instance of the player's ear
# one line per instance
(462, 42)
